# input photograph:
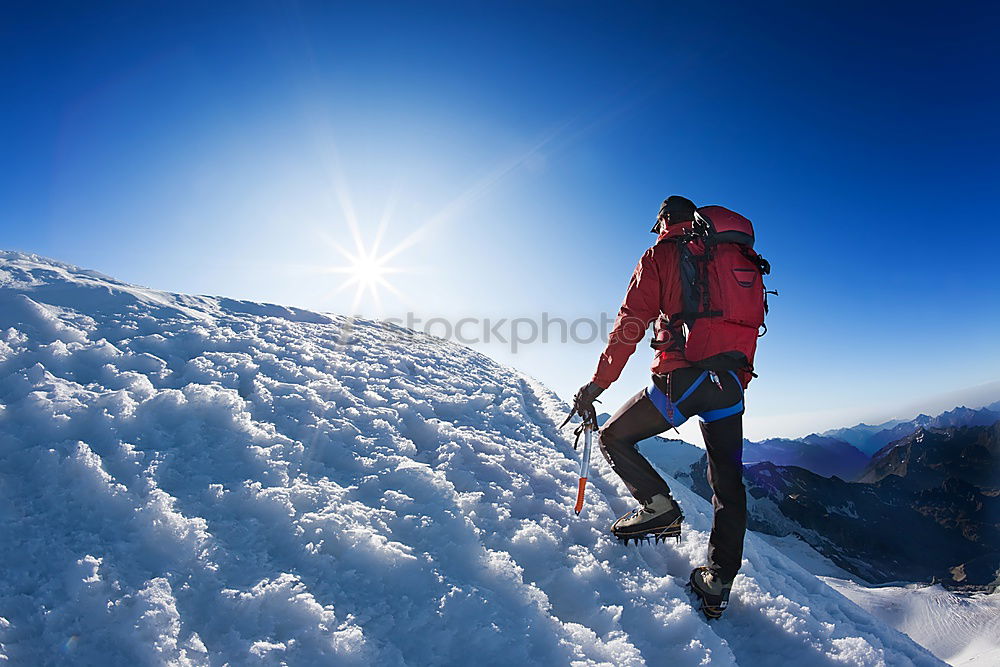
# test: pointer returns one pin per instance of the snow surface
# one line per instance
(673, 457)
(960, 629)
(801, 552)
(202, 481)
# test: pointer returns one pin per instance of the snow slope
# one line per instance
(961, 629)
(673, 457)
(202, 481)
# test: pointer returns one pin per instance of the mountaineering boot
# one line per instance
(660, 518)
(711, 590)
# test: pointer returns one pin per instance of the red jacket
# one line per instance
(655, 290)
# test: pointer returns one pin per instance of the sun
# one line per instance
(367, 267)
(366, 271)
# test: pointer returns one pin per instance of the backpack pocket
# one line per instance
(737, 286)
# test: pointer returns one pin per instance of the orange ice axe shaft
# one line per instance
(584, 468)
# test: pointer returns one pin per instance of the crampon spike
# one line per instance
(673, 531)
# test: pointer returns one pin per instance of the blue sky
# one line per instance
(520, 151)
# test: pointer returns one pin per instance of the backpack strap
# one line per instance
(694, 281)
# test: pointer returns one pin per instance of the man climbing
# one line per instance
(701, 282)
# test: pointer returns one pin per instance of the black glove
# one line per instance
(583, 404)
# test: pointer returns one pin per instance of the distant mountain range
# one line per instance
(931, 456)
(822, 455)
(847, 452)
(927, 507)
(869, 439)
(905, 500)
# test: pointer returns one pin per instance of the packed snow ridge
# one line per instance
(203, 481)
(962, 629)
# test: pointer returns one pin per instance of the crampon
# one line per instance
(645, 534)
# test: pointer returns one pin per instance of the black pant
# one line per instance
(639, 419)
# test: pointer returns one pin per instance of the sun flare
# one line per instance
(366, 271)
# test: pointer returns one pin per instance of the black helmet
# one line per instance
(680, 209)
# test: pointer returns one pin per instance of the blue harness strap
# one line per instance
(694, 385)
(721, 413)
(661, 401)
(715, 415)
(666, 406)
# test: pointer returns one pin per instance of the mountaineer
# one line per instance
(702, 284)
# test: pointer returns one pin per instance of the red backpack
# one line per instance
(722, 288)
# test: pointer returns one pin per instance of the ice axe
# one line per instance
(586, 428)
(584, 466)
